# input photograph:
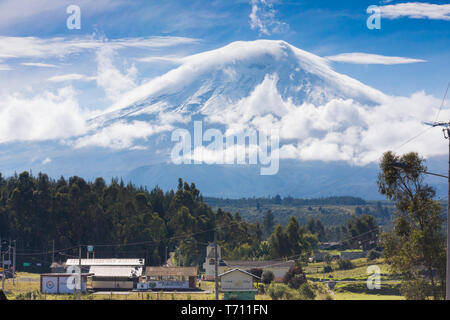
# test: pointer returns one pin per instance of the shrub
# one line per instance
(306, 292)
(261, 289)
(373, 254)
(386, 289)
(257, 272)
(295, 277)
(345, 264)
(417, 289)
(327, 268)
(267, 277)
(328, 258)
(279, 291)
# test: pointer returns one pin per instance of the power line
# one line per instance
(186, 237)
(442, 103)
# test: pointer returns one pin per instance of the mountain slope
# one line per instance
(208, 82)
(332, 128)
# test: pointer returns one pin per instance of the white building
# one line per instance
(237, 284)
(209, 264)
(61, 283)
(111, 274)
(278, 267)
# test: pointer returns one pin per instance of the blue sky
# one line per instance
(323, 27)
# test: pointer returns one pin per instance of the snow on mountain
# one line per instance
(266, 84)
(321, 116)
(209, 82)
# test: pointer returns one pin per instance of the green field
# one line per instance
(350, 285)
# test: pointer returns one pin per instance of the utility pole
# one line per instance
(14, 262)
(3, 271)
(9, 253)
(447, 282)
(79, 272)
(216, 266)
(446, 131)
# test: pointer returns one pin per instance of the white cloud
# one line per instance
(111, 79)
(341, 129)
(416, 10)
(71, 77)
(120, 135)
(39, 64)
(158, 59)
(263, 18)
(46, 161)
(32, 47)
(367, 58)
(41, 117)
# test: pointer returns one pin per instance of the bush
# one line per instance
(386, 289)
(261, 289)
(278, 291)
(306, 292)
(373, 254)
(327, 269)
(417, 289)
(345, 264)
(257, 272)
(267, 277)
(328, 258)
(295, 277)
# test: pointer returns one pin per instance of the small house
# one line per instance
(118, 278)
(278, 267)
(61, 283)
(237, 284)
(169, 278)
(111, 274)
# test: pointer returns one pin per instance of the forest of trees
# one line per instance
(278, 200)
(122, 220)
(119, 220)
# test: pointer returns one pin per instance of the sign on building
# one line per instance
(168, 284)
(60, 283)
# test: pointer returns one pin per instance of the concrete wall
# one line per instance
(236, 280)
(58, 284)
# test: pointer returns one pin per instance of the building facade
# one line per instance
(237, 284)
(61, 283)
(169, 278)
(111, 274)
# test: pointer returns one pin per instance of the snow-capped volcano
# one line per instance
(210, 82)
(264, 84)
(321, 116)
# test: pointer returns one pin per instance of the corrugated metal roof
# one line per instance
(116, 271)
(171, 271)
(106, 262)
